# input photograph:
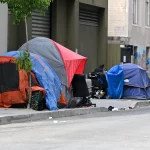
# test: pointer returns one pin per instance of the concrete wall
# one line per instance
(120, 23)
(103, 28)
(118, 18)
(12, 33)
(3, 28)
(113, 55)
(140, 34)
(59, 21)
(65, 25)
(16, 33)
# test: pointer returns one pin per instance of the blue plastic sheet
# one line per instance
(46, 77)
(115, 81)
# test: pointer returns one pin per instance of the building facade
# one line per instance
(129, 32)
(80, 25)
(3, 28)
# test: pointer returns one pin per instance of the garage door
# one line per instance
(40, 25)
(88, 34)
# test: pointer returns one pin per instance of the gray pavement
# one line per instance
(117, 131)
(121, 103)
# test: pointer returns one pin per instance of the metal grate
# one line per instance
(89, 17)
(40, 25)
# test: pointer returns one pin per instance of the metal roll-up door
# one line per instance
(88, 35)
(89, 16)
(40, 25)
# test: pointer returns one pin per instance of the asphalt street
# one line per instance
(125, 130)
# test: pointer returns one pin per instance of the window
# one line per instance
(147, 13)
(135, 11)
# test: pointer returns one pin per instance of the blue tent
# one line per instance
(137, 82)
(115, 82)
(46, 77)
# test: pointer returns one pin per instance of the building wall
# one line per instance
(16, 33)
(59, 21)
(113, 55)
(118, 18)
(103, 29)
(65, 27)
(117, 29)
(120, 23)
(140, 34)
(12, 34)
(3, 28)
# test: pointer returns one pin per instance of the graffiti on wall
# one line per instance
(140, 59)
(148, 63)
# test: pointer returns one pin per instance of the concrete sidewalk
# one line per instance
(8, 116)
(121, 104)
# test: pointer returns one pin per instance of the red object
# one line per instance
(73, 62)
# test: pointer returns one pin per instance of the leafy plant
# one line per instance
(23, 62)
(22, 9)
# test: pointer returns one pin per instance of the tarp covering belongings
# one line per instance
(46, 77)
(115, 81)
(65, 62)
(14, 84)
(137, 82)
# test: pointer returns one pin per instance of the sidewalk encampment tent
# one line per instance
(46, 77)
(137, 82)
(63, 61)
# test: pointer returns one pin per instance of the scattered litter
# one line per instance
(126, 137)
(50, 117)
(115, 109)
(63, 121)
(110, 108)
(55, 121)
(146, 136)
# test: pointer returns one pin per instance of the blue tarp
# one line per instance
(46, 77)
(137, 82)
(115, 82)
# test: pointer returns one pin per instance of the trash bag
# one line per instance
(115, 81)
(37, 101)
(75, 102)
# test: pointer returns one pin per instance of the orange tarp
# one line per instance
(17, 96)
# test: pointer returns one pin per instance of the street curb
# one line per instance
(142, 104)
(45, 115)
(49, 114)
